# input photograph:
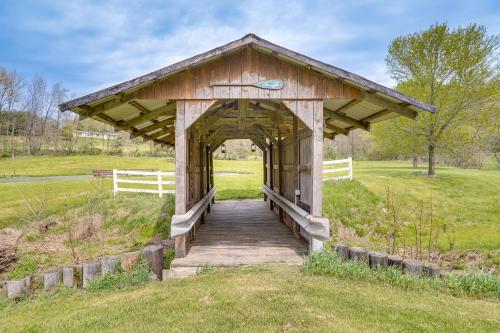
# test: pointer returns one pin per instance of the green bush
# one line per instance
(138, 276)
(471, 283)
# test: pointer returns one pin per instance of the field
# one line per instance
(465, 203)
(260, 299)
(267, 298)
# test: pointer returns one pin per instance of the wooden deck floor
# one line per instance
(241, 232)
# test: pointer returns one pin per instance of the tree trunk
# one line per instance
(431, 171)
(13, 151)
(415, 161)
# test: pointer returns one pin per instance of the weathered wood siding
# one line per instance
(247, 66)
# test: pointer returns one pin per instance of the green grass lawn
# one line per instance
(260, 299)
(466, 199)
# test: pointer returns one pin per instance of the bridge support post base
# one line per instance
(180, 246)
(315, 245)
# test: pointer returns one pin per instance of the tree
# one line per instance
(10, 95)
(457, 71)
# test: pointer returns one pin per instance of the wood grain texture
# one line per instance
(242, 232)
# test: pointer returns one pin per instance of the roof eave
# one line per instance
(246, 40)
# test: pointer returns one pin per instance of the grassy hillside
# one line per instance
(465, 201)
(260, 299)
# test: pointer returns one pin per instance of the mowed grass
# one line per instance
(260, 299)
(467, 199)
(78, 165)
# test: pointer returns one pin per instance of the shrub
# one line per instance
(138, 276)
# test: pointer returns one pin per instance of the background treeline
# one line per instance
(31, 124)
(456, 70)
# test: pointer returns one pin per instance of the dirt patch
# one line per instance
(8, 256)
(90, 228)
(157, 240)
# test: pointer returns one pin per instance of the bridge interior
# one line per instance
(240, 232)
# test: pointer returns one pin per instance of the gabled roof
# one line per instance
(249, 39)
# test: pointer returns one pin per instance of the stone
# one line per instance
(69, 277)
(91, 271)
(154, 255)
(130, 260)
(395, 261)
(412, 266)
(342, 250)
(16, 288)
(378, 260)
(358, 253)
(109, 265)
(52, 279)
(430, 270)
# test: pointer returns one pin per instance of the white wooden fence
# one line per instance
(347, 161)
(159, 182)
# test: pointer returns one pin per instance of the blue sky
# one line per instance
(88, 45)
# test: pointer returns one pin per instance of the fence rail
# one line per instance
(159, 182)
(347, 161)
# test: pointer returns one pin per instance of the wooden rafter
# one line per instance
(394, 107)
(146, 115)
(336, 115)
(103, 107)
(376, 115)
(150, 128)
(336, 128)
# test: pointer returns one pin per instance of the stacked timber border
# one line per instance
(80, 276)
(382, 260)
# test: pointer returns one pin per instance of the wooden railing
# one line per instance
(159, 182)
(182, 224)
(315, 226)
(329, 170)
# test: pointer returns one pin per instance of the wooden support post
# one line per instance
(317, 169)
(180, 174)
(212, 184)
(280, 171)
(296, 185)
(271, 172)
(264, 162)
(208, 169)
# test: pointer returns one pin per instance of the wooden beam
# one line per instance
(376, 115)
(394, 107)
(160, 124)
(346, 119)
(317, 170)
(168, 109)
(101, 108)
(161, 133)
(336, 128)
(180, 174)
(266, 133)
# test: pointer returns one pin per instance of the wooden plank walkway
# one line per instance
(240, 232)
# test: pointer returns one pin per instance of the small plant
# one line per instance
(23, 268)
(471, 283)
(138, 276)
(207, 270)
(474, 283)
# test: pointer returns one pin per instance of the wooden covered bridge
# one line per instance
(285, 103)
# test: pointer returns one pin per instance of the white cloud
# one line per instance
(116, 41)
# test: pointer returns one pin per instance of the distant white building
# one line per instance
(95, 135)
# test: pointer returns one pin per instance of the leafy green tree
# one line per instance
(456, 70)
